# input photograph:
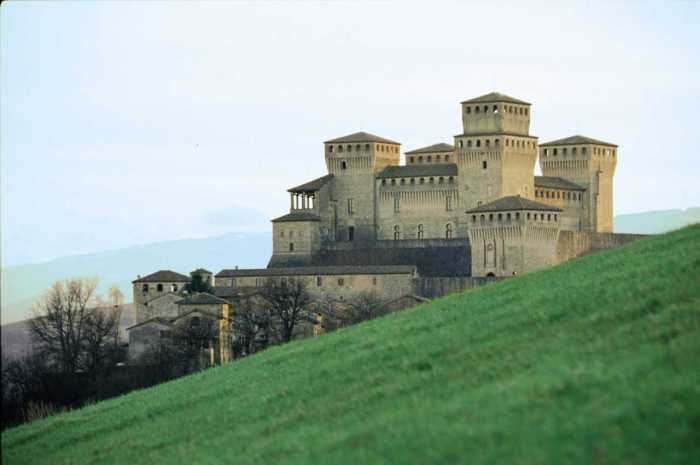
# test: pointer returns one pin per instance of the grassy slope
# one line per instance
(594, 361)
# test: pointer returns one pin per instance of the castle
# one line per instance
(450, 218)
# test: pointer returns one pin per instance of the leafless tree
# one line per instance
(335, 313)
(251, 327)
(71, 332)
(289, 302)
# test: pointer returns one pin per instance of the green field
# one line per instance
(595, 361)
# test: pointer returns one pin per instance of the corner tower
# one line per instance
(495, 153)
(353, 160)
(590, 163)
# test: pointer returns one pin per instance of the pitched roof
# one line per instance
(157, 319)
(577, 139)
(161, 296)
(554, 182)
(495, 97)
(201, 298)
(318, 271)
(441, 147)
(312, 186)
(513, 202)
(407, 171)
(163, 276)
(361, 137)
(297, 216)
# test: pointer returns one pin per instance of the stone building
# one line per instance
(451, 217)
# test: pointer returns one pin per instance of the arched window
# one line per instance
(473, 218)
(413, 180)
(340, 148)
(330, 149)
(447, 158)
(469, 110)
(517, 216)
(448, 231)
(490, 216)
(194, 321)
(410, 160)
(393, 182)
(528, 216)
(366, 146)
(482, 218)
(500, 216)
(495, 142)
(437, 158)
(420, 231)
(397, 232)
(420, 159)
(495, 109)
(486, 108)
(469, 143)
(349, 148)
(484, 164)
(432, 180)
(383, 182)
(478, 142)
(357, 147)
(451, 180)
(173, 288)
(159, 288)
(291, 247)
(144, 288)
(430, 159)
(461, 143)
(507, 216)
(343, 165)
(403, 181)
(488, 142)
(441, 180)
(422, 181)
(476, 109)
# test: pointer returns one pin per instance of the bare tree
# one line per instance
(60, 320)
(335, 314)
(289, 302)
(252, 327)
(71, 332)
(116, 298)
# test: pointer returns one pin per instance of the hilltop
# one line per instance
(592, 361)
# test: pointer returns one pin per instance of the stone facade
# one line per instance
(367, 197)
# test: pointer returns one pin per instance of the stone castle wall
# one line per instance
(572, 244)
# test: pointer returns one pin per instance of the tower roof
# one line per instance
(167, 276)
(361, 137)
(513, 202)
(577, 139)
(201, 298)
(496, 97)
(441, 147)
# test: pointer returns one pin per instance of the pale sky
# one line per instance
(132, 122)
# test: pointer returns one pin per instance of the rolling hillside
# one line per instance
(591, 362)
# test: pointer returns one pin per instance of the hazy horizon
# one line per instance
(126, 123)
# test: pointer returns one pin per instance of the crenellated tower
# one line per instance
(353, 161)
(591, 164)
(495, 153)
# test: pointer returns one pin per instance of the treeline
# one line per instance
(78, 357)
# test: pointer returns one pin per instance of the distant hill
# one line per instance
(656, 222)
(22, 285)
(594, 361)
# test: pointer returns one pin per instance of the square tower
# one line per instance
(353, 160)
(495, 153)
(591, 164)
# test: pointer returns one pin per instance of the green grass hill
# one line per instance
(596, 361)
